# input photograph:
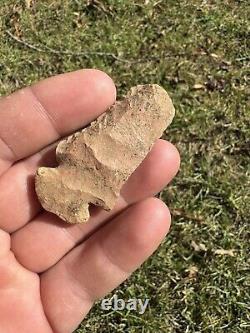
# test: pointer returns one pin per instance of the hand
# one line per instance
(51, 272)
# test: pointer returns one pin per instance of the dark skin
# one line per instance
(51, 273)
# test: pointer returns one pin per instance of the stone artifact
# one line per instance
(95, 162)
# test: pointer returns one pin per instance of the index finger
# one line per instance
(33, 117)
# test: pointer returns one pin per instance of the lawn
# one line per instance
(199, 279)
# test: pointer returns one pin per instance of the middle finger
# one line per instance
(46, 239)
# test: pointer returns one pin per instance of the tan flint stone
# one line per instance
(95, 162)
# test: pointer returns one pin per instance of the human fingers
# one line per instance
(45, 240)
(94, 268)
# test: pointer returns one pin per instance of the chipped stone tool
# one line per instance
(95, 162)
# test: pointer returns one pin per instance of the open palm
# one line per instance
(51, 273)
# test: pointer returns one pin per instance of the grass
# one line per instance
(198, 51)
